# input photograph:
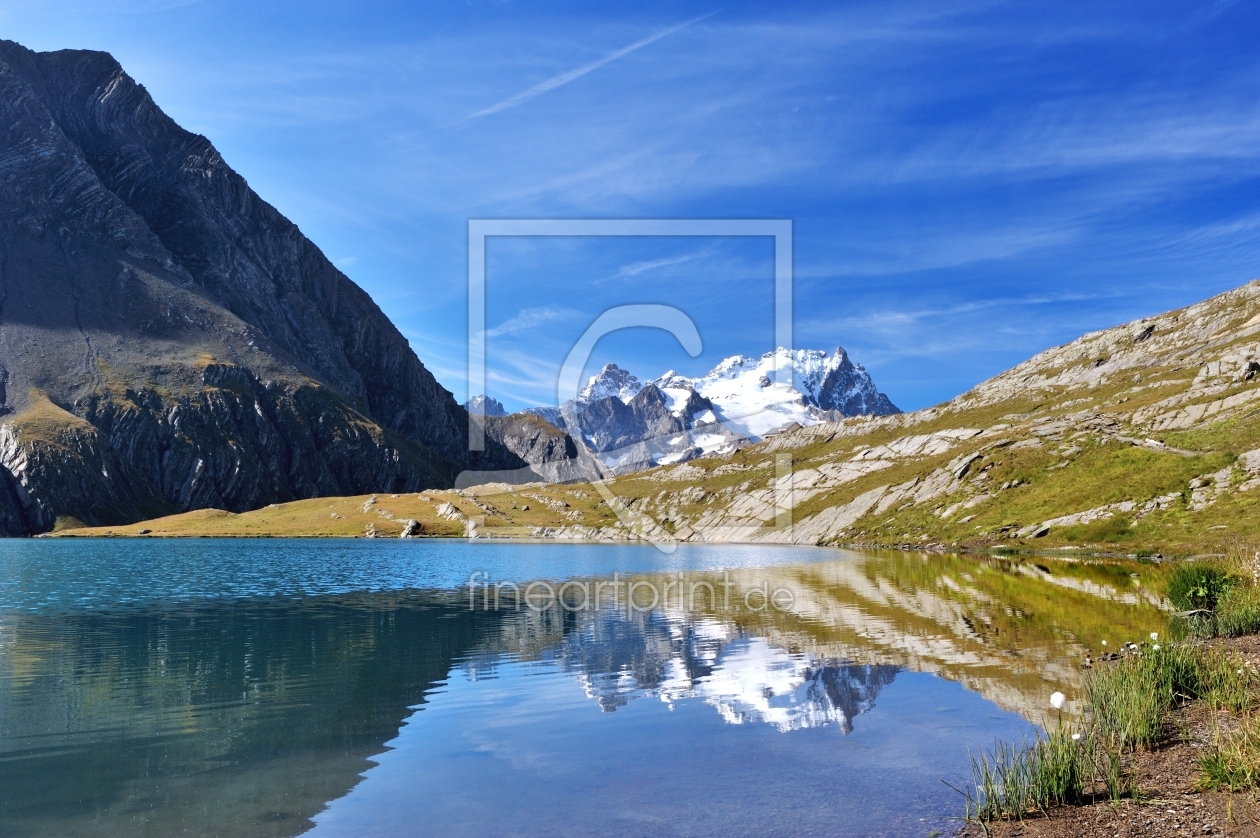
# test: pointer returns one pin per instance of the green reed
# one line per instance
(1233, 761)
(1128, 703)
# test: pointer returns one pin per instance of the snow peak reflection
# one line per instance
(641, 595)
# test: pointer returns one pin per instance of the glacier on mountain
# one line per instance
(758, 396)
(631, 424)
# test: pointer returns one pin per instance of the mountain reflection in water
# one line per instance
(252, 715)
(619, 656)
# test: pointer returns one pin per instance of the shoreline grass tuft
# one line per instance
(1128, 702)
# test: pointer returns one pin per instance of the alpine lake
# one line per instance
(273, 687)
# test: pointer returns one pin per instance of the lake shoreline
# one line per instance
(1060, 553)
(1171, 802)
(577, 514)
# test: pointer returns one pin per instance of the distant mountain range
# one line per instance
(631, 425)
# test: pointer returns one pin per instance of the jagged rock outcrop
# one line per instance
(610, 382)
(483, 405)
(168, 340)
(848, 389)
(648, 429)
(552, 455)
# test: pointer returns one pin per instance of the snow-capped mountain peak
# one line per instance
(808, 371)
(612, 380)
(483, 405)
(632, 424)
(747, 390)
(672, 380)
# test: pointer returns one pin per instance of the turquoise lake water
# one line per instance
(348, 688)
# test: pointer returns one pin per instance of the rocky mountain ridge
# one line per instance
(485, 406)
(630, 425)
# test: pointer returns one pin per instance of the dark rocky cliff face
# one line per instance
(849, 390)
(168, 340)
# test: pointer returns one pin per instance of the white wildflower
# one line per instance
(1154, 635)
(1057, 700)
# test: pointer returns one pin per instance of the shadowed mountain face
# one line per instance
(168, 340)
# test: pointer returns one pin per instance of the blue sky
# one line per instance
(969, 183)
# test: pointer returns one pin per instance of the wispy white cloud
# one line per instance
(531, 318)
(636, 268)
(523, 377)
(573, 75)
(927, 249)
(1079, 134)
(1239, 235)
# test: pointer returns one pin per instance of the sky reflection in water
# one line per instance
(250, 688)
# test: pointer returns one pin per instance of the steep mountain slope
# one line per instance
(237, 249)
(168, 340)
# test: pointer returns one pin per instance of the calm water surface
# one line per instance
(278, 688)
